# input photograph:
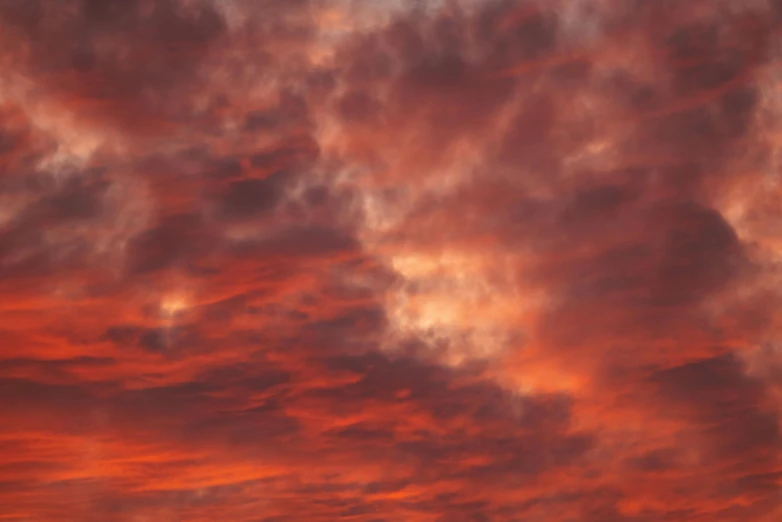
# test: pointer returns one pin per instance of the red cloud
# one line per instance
(311, 260)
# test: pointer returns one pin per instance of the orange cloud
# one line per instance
(434, 261)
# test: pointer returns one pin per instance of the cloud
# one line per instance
(118, 61)
(322, 260)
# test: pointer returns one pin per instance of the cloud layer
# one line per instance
(408, 261)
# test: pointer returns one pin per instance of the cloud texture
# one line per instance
(466, 260)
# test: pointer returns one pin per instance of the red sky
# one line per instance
(390, 261)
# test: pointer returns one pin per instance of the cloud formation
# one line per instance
(409, 261)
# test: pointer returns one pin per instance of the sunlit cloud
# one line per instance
(420, 261)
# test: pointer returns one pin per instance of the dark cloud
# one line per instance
(177, 239)
(730, 405)
(249, 197)
(126, 58)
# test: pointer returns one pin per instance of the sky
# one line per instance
(390, 261)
